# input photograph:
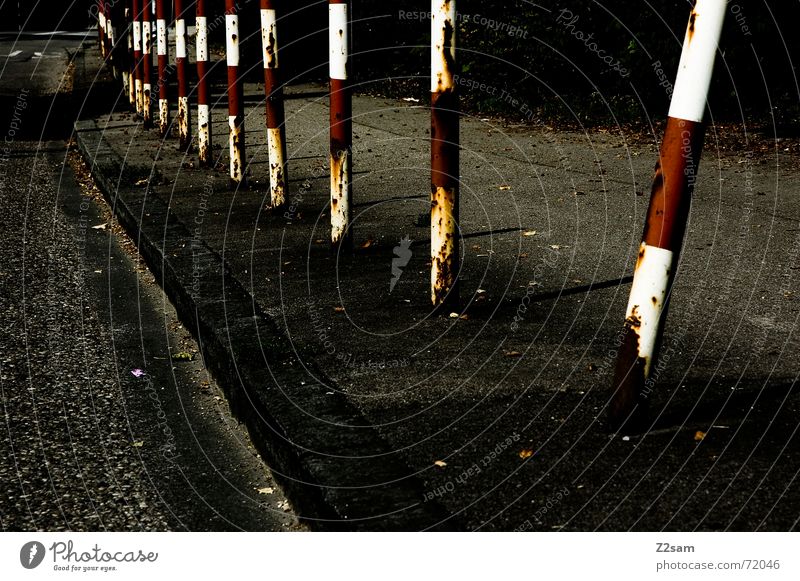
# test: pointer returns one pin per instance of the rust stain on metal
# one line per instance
(444, 160)
(629, 381)
(271, 52)
(204, 154)
(340, 193)
(639, 259)
(444, 50)
(341, 132)
(634, 321)
(184, 134)
(444, 249)
(673, 184)
(692, 20)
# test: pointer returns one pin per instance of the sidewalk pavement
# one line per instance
(379, 414)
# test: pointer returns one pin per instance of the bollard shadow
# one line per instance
(755, 403)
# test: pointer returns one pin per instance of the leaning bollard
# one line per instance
(184, 116)
(674, 180)
(203, 112)
(341, 123)
(444, 154)
(163, 59)
(235, 96)
(137, 56)
(276, 128)
(147, 60)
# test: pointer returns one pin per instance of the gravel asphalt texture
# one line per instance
(111, 421)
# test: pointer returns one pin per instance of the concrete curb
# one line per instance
(345, 476)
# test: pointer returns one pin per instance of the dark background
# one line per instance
(548, 68)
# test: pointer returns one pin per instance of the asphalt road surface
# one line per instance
(109, 419)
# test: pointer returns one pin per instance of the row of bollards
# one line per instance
(137, 75)
(673, 183)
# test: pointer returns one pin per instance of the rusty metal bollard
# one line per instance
(101, 27)
(108, 31)
(341, 122)
(276, 122)
(137, 55)
(203, 111)
(127, 69)
(184, 116)
(147, 61)
(444, 154)
(674, 180)
(112, 36)
(236, 134)
(163, 59)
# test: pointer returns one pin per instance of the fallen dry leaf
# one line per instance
(440, 463)
(338, 309)
(512, 354)
(367, 244)
(699, 436)
(525, 453)
(530, 233)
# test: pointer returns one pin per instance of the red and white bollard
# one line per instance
(137, 56)
(127, 69)
(163, 60)
(147, 60)
(108, 28)
(444, 154)
(184, 115)
(101, 27)
(674, 180)
(341, 122)
(203, 110)
(235, 96)
(276, 122)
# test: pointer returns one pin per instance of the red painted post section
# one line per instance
(675, 175)
(341, 123)
(276, 122)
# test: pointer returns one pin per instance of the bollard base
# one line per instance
(627, 411)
